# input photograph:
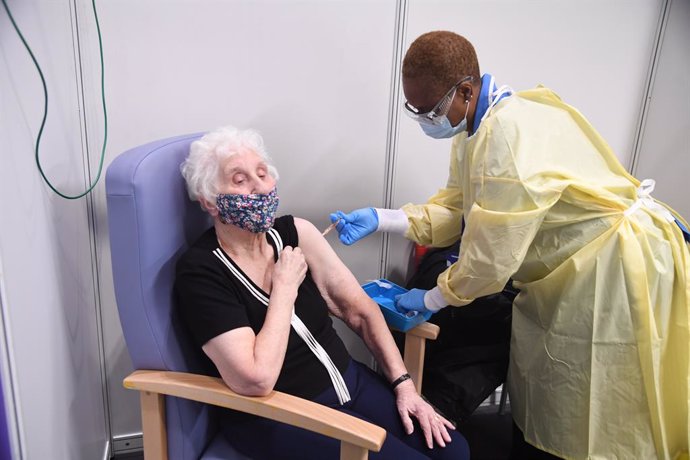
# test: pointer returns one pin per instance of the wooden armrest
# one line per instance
(425, 330)
(357, 436)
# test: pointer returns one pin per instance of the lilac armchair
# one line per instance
(151, 222)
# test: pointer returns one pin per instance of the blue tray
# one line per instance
(383, 292)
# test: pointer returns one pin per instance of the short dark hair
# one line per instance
(442, 57)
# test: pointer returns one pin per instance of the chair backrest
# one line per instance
(152, 222)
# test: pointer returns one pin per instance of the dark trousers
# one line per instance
(522, 450)
(372, 400)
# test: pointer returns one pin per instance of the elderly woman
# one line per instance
(256, 293)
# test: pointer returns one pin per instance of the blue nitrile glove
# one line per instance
(356, 225)
(413, 300)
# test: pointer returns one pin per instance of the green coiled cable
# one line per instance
(45, 106)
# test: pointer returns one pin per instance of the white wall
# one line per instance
(313, 76)
(664, 153)
(45, 244)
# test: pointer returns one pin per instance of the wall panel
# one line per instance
(665, 147)
(45, 242)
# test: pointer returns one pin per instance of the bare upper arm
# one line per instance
(335, 281)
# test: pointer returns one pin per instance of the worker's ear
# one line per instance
(466, 91)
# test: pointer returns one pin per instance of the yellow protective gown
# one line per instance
(600, 349)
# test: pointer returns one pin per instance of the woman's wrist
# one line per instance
(283, 295)
(405, 388)
(399, 380)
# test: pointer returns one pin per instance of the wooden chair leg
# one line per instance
(351, 452)
(153, 423)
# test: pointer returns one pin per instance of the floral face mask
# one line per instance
(254, 212)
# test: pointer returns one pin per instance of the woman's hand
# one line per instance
(410, 404)
(290, 270)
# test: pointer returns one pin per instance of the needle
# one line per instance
(330, 227)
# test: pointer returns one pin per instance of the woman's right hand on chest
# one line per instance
(289, 271)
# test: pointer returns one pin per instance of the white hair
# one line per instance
(201, 168)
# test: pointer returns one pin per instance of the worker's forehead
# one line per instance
(421, 92)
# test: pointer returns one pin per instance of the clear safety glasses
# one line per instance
(434, 116)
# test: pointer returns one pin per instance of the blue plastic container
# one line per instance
(383, 292)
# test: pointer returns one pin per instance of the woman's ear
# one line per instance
(209, 207)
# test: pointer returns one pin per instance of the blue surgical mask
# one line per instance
(442, 128)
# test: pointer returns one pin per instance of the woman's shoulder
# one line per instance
(529, 106)
(285, 226)
(201, 251)
(284, 222)
(292, 229)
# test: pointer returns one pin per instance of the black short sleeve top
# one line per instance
(212, 300)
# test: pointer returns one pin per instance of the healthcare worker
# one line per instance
(600, 347)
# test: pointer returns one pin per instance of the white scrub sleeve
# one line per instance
(434, 300)
(392, 220)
